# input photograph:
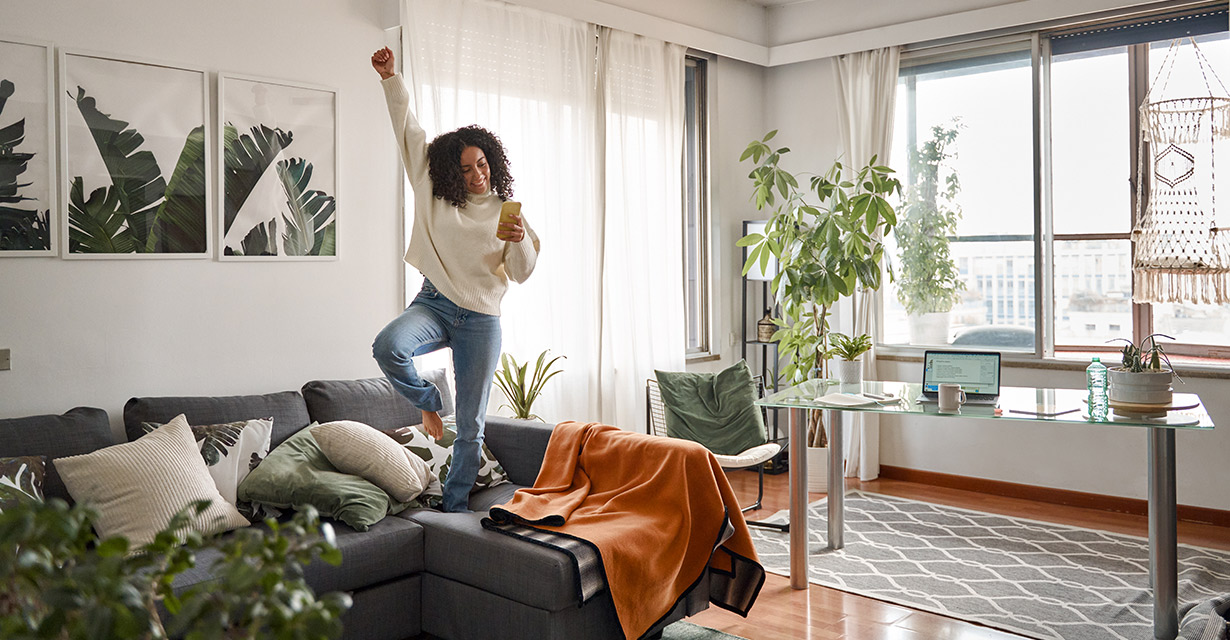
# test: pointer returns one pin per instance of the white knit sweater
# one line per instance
(456, 248)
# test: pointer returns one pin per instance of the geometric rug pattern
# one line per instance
(1032, 578)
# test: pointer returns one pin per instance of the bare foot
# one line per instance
(433, 424)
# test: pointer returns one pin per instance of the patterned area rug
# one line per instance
(684, 630)
(1032, 578)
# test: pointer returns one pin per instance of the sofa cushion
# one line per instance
(390, 549)
(138, 486)
(77, 431)
(298, 472)
(355, 448)
(230, 450)
(371, 401)
(287, 409)
(21, 480)
(438, 455)
(458, 548)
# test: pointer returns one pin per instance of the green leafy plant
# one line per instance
(927, 278)
(521, 393)
(20, 229)
(57, 580)
(1146, 355)
(849, 348)
(827, 243)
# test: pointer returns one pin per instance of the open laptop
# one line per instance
(976, 371)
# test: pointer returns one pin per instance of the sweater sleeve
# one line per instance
(520, 257)
(411, 139)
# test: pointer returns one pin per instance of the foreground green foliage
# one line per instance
(57, 580)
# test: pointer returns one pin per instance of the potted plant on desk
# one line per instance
(1145, 375)
(849, 367)
(827, 240)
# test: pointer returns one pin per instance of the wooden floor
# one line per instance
(820, 613)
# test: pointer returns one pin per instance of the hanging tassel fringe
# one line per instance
(1180, 121)
(1181, 285)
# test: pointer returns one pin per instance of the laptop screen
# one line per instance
(976, 372)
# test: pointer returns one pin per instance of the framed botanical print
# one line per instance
(134, 158)
(278, 170)
(27, 150)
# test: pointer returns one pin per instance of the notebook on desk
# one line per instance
(976, 371)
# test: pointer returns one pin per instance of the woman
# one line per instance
(466, 256)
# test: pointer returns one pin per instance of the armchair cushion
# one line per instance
(717, 410)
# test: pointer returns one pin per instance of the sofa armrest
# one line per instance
(519, 445)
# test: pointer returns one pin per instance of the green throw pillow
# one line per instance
(717, 410)
(297, 472)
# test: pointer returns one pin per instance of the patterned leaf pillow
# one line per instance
(231, 450)
(438, 454)
(21, 480)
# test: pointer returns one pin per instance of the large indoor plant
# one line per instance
(57, 580)
(826, 238)
(927, 281)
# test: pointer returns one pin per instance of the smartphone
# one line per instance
(508, 210)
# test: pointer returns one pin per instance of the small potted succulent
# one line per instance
(1145, 375)
(849, 368)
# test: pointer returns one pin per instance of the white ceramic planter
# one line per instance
(848, 371)
(818, 469)
(1146, 387)
(929, 328)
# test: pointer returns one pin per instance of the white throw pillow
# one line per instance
(438, 454)
(359, 450)
(138, 486)
(231, 450)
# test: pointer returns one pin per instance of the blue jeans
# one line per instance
(433, 322)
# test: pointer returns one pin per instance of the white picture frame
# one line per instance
(165, 211)
(28, 181)
(275, 136)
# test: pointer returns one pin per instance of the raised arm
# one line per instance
(411, 139)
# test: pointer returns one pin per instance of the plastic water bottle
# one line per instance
(1095, 380)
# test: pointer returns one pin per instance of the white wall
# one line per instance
(96, 332)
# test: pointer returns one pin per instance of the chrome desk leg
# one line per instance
(837, 482)
(1163, 534)
(798, 498)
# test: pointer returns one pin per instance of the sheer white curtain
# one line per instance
(529, 77)
(642, 270)
(867, 93)
(593, 125)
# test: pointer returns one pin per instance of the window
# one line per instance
(696, 209)
(1029, 147)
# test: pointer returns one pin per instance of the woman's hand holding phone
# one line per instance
(510, 228)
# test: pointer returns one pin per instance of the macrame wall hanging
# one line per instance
(1181, 255)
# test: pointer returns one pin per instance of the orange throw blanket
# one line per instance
(657, 509)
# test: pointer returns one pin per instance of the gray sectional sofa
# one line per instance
(418, 573)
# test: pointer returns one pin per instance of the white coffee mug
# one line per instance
(951, 397)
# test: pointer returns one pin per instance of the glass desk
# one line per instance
(1021, 404)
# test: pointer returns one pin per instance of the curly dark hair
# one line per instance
(444, 164)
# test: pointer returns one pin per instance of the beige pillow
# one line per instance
(359, 450)
(137, 486)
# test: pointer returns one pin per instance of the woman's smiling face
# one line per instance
(474, 170)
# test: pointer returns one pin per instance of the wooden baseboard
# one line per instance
(1048, 495)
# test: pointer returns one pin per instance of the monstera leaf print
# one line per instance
(140, 211)
(21, 479)
(20, 229)
(217, 439)
(246, 158)
(310, 230)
